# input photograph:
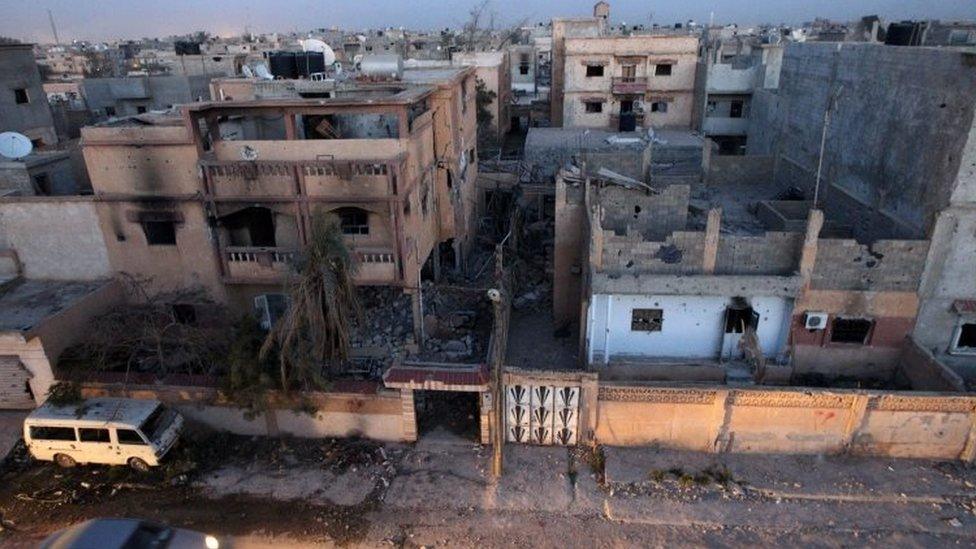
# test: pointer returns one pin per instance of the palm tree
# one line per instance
(312, 338)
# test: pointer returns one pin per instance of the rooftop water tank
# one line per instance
(382, 67)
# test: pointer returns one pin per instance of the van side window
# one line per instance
(93, 435)
(52, 433)
(128, 436)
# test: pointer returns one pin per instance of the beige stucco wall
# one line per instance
(376, 416)
(645, 52)
(789, 421)
(55, 238)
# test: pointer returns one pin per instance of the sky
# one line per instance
(112, 19)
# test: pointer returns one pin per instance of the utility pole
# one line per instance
(54, 28)
(831, 103)
(500, 305)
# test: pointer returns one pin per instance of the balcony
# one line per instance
(375, 265)
(251, 265)
(280, 178)
(628, 85)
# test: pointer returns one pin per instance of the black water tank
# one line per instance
(309, 62)
(282, 64)
(184, 47)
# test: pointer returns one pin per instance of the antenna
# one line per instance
(54, 28)
(15, 145)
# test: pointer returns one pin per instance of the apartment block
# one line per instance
(222, 196)
(621, 82)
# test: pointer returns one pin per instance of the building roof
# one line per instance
(26, 304)
(100, 411)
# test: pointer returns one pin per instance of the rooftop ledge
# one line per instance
(671, 284)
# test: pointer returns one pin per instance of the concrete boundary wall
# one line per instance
(788, 421)
(376, 415)
(738, 170)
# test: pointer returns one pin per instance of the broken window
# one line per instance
(659, 106)
(251, 226)
(21, 97)
(740, 317)
(594, 106)
(662, 70)
(735, 109)
(159, 233)
(524, 68)
(353, 221)
(965, 338)
(42, 184)
(140, 110)
(646, 320)
(109, 111)
(850, 330)
(594, 70)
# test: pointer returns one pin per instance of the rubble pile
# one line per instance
(386, 328)
(457, 323)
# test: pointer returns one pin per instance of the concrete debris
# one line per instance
(611, 176)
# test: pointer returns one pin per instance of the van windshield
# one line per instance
(157, 423)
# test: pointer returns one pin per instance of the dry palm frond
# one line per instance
(313, 335)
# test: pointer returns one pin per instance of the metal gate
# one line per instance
(541, 414)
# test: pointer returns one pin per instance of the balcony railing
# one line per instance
(628, 85)
(257, 264)
(281, 177)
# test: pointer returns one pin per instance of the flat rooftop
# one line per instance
(25, 304)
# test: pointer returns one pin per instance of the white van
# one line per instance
(113, 431)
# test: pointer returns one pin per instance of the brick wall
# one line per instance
(774, 253)
(654, 216)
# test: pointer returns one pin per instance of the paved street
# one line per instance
(438, 493)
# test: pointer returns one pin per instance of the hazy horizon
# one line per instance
(132, 19)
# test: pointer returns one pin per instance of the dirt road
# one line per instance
(438, 493)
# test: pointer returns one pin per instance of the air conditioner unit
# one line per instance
(268, 308)
(815, 321)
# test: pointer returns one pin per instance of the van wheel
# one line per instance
(65, 461)
(139, 465)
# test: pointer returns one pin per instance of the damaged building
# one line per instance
(223, 195)
(766, 271)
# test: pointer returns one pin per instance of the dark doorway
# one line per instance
(448, 412)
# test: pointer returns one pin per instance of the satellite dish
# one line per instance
(15, 145)
(317, 46)
(262, 71)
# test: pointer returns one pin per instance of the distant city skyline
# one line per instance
(126, 19)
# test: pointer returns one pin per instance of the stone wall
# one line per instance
(773, 253)
(811, 421)
(654, 216)
(886, 265)
(731, 170)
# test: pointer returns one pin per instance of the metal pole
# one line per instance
(499, 299)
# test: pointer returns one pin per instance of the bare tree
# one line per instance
(181, 331)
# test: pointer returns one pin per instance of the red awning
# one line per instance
(437, 376)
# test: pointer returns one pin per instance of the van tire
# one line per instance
(65, 461)
(139, 465)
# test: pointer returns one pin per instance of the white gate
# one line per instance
(541, 414)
